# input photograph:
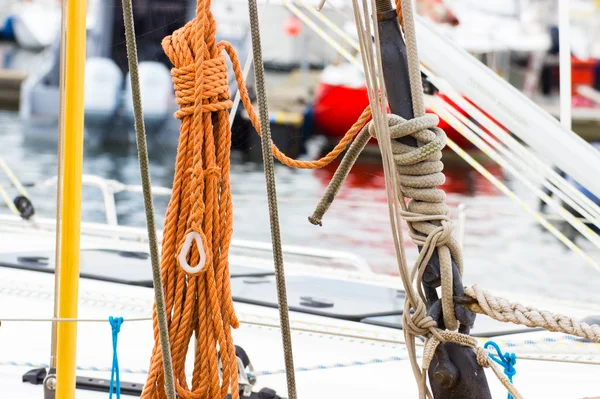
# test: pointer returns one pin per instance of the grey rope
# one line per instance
(267, 153)
(334, 186)
(140, 132)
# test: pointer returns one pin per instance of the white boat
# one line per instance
(346, 337)
(36, 23)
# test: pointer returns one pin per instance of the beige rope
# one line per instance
(414, 172)
(417, 322)
(503, 310)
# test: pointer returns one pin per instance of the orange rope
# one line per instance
(293, 163)
(399, 13)
(199, 306)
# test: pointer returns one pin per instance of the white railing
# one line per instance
(108, 188)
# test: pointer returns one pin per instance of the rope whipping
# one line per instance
(160, 325)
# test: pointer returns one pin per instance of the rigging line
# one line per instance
(13, 178)
(132, 59)
(529, 157)
(267, 153)
(465, 128)
(521, 163)
(330, 24)
(246, 71)
(552, 359)
(59, 180)
(368, 338)
(9, 204)
(509, 193)
(343, 52)
(70, 320)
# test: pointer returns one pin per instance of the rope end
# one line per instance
(315, 220)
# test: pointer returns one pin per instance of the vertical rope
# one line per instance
(414, 69)
(59, 180)
(140, 132)
(267, 153)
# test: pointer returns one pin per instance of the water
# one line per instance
(504, 248)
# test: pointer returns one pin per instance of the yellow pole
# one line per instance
(71, 209)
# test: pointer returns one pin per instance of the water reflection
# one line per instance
(504, 249)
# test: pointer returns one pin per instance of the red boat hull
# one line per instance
(336, 108)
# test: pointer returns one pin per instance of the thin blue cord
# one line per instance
(506, 360)
(115, 379)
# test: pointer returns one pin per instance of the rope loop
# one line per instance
(506, 360)
(415, 319)
(199, 239)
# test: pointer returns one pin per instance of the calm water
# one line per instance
(504, 248)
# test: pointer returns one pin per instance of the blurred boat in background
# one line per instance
(36, 23)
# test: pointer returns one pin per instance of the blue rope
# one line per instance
(115, 379)
(506, 360)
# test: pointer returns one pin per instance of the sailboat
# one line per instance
(348, 328)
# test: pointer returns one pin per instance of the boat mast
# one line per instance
(71, 196)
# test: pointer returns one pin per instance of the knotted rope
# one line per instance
(418, 173)
(198, 224)
(413, 172)
(506, 360)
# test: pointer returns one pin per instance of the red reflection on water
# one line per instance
(460, 179)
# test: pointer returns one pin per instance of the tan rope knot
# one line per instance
(483, 359)
(417, 322)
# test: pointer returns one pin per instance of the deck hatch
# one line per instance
(322, 296)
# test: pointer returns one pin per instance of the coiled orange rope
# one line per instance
(199, 219)
(198, 303)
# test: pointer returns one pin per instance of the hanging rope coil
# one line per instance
(198, 224)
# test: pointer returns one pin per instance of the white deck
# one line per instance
(25, 294)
